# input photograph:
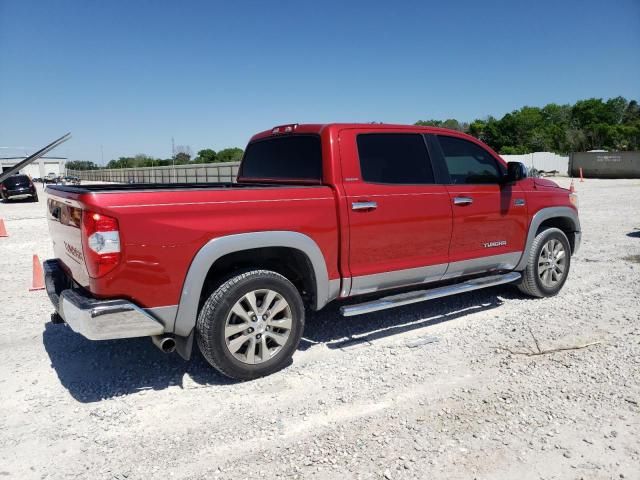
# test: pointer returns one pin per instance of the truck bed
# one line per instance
(140, 187)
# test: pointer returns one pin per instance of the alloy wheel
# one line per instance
(258, 326)
(552, 263)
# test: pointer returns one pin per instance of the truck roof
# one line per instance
(317, 128)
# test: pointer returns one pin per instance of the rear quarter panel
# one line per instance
(161, 232)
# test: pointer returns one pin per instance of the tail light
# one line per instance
(100, 242)
(284, 129)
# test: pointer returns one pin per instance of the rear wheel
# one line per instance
(34, 197)
(548, 264)
(251, 325)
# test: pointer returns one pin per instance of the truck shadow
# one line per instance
(94, 371)
(322, 327)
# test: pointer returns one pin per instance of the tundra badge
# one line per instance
(497, 243)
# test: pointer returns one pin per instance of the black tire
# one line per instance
(532, 284)
(210, 327)
(34, 198)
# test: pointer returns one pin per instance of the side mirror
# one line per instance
(515, 171)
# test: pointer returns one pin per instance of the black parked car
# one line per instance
(18, 186)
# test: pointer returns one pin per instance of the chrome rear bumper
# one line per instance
(92, 318)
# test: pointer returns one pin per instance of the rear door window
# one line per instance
(397, 158)
(468, 163)
(293, 157)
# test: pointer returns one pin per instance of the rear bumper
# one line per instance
(92, 318)
(19, 192)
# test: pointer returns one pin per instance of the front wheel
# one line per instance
(251, 325)
(548, 264)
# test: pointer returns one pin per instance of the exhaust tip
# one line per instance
(165, 344)
(168, 345)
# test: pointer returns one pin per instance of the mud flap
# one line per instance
(184, 345)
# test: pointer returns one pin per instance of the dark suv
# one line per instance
(18, 186)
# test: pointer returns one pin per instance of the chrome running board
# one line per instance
(423, 295)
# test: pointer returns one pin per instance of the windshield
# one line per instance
(293, 157)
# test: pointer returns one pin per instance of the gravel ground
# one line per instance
(424, 391)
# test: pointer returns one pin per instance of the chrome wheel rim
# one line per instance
(552, 263)
(258, 326)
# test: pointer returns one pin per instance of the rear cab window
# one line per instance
(290, 157)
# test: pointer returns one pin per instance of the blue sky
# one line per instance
(129, 75)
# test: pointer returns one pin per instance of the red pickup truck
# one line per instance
(318, 213)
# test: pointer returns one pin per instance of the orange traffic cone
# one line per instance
(581, 177)
(571, 188)
(3, 231)
(38, 276)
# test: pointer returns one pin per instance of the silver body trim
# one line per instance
(423, 295)
(106, 319)
(346, 287)
(165, 315)
(503, 261)
(334, 289)
(218, 247)
(541, 216)
(433, 273)
(397, 278)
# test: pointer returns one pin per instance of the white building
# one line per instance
(38, 168)
(546, 161)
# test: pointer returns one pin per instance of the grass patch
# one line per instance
(632, 258)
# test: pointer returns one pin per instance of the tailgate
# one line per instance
(64, 216)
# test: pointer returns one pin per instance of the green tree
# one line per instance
(206, 155)
(182, 158)
(229, 155)
(122, 162)
(450, 123)
(81, 165)
(589, 124)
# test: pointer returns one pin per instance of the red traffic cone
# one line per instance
(3, 231)
(38, 275)
(571, 188)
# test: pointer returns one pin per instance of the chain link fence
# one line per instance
(193, 173)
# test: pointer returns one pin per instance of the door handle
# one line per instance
(364, 205)
(462, 200)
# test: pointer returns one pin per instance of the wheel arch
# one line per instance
(563, 218)
(218, 248)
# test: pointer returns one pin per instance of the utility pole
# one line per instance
(173, 160)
